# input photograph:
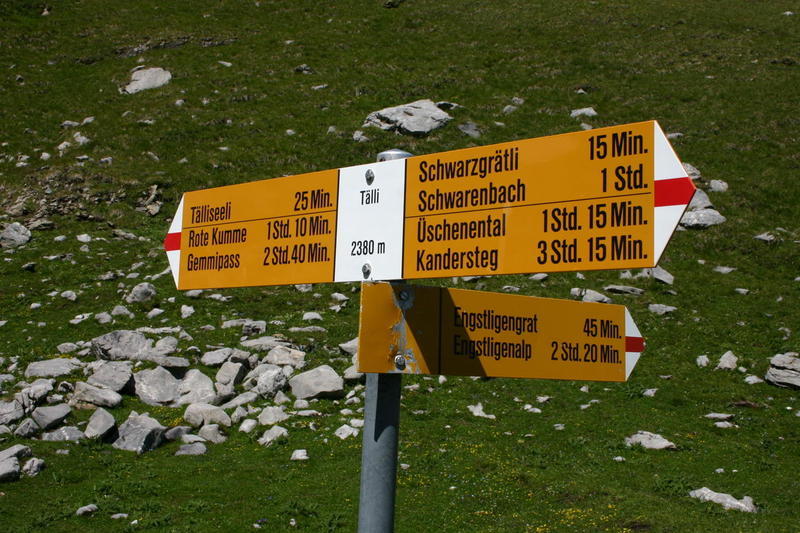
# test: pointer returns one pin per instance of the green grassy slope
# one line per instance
(724, 75)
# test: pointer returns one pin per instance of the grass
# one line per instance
(724, 75)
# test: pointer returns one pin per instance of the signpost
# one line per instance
(600, 199)
(431, 330)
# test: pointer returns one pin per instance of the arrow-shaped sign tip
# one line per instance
(634, 344)
(172, 242)
(673, 191)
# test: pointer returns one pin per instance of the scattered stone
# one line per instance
(717, 186)
(700, 200)
(416, 118)
(139, 433)
(195, 448)
(65, 434)
(201, 414)
(50, 416)
(212, 433)
(11, 411)
(477, 410)
(725, 500)
(156, 386)
(784, 370)
(271, 415)
(19, 451)
(27, 429)
(350, 347)
(9, 469)
(113, 375)
(87, 393)
(101, 425)
(702, 361)
(299, 455)
(345, 431)
(86, 509)
(264, 344)
(753, 380)
(470, 129)
(766, 237)
(624, 289)
(583, 112)
(14, 235)
(52, 368)
(283, 355)
(311, 315)
(103, 318)
(649, 393)
(143, 292)
(651, 441)
(359, 137)
(272, 434)
(322, 381)
(701, 219)
(589, 295)
(187, 311)
(248, 425)
(230, 373)
(148, 78)
(661, 309)
(728, 361)
(33, 466)
(724, 269)
(122, 345)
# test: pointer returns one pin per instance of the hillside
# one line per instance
(93, 168)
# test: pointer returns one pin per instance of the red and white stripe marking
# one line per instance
(172, 242)
(673, 191)
(634, 344)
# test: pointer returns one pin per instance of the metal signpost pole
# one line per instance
(379, 445)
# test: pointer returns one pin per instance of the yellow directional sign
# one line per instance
(601, 199)
(431, 330)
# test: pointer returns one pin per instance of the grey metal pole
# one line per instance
(379, 444)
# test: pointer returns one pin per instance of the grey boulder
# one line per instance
(122, 345)
(200, 414)
(85, 393)
(702, 218)
(9, 469)
(148, 78)
(33, 466)
(65, 434)
(725, 500)
(11, 411)
(196, 387)
(784, 370)
(156, 386)
(195, 448)
(101, 425)
(283, 355)
(50, 416)
(230, 373)
(52, 368)
(415, 118)
(143, 292)
(13, 235)
(322, 381)
(139, 433)
(113, 375)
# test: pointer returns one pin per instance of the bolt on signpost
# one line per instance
(602, 199)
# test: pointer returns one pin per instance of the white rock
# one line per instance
(416, 118)
(725, 500)
(651, 441)
(728, 361)
(148, 78)
(702, 361)
(299, 455)
(477, 410)
(583, 112)
(187, 311)
(661, 309)
(272, 434)
(344, 431)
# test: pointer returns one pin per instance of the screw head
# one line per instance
(403, 295)
(366, 270)
(399, 362)
(370, 175)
